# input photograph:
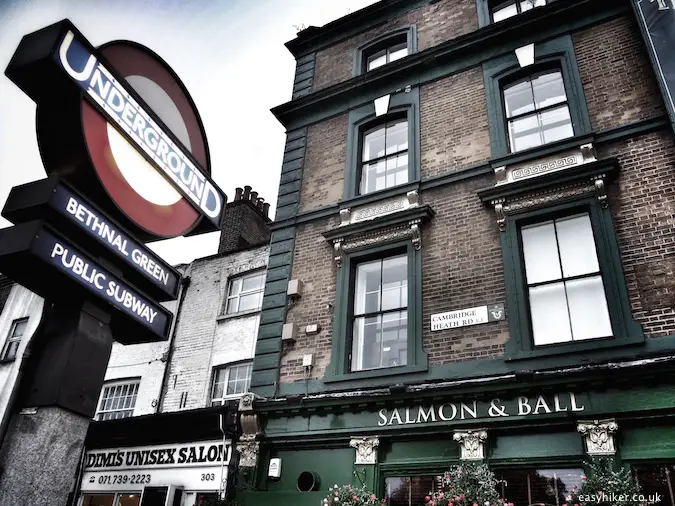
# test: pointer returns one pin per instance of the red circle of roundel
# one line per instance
(163, 221)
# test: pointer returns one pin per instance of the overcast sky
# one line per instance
(230, 55)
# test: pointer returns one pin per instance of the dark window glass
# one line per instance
(565, 288)
(380, 316)
(410, 490)
(508, 9)
(98, 500)
(16, 332)
(384, 161)
(537, 112)
(549, 487)
(657, 479)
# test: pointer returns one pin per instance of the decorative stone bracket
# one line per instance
(248, 446)
(471, 443)
(599, 436)
(366, 449)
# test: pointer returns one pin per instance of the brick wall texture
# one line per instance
(618, 81)
(436, 23)
(243, 227)
(324, 172)
(201, 337)
(461, 254)
(453, 124)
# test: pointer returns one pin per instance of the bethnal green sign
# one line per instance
(475, 410)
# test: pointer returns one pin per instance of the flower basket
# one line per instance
(347, 495)
(468, 485)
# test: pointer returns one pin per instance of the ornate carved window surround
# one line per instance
(580, 188)
(375, 238)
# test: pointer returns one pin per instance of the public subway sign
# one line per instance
(58, 252)
(193, 466)
(466, 317)
(656, 19)
(452, 412)
(52, 199)
(116, 102)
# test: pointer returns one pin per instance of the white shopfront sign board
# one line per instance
(193, 466)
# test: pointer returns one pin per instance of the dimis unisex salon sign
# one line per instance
(192, 466)
(475, 410)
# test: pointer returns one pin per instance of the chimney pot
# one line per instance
(254, 197)
(259, 204)
(237, 193)
(266, 210)
(247, 193)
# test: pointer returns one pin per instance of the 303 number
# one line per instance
(209, 477)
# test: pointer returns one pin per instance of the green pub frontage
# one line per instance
(537, 435)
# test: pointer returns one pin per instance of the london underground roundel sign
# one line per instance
(118, 124)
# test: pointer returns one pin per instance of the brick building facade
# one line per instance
(506, 172)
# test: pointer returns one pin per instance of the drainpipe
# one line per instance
(14, 394)
(182, 290)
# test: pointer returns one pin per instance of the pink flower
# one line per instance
(461, 496)
(372, 497)
(356, 498)
(583, 477)
(510, 504)
(565, 504)
(427, 498)
(576, 505)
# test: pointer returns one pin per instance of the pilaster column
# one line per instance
(599, 436)
(366, 449)
(471, 443)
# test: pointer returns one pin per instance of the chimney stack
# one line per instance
(245, 222)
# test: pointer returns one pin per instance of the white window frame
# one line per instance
(11, 338)
(229, 296)
(217, 401)
(112, 384)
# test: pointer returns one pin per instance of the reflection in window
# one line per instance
(384, 161)
(537, 112)
(550, 487)
(565, 289)
(380, 323)
(505, 10)
(657, 479)
(397, 49)
(230, 381)
(411, 490)
(245, 293)
(118, 400)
